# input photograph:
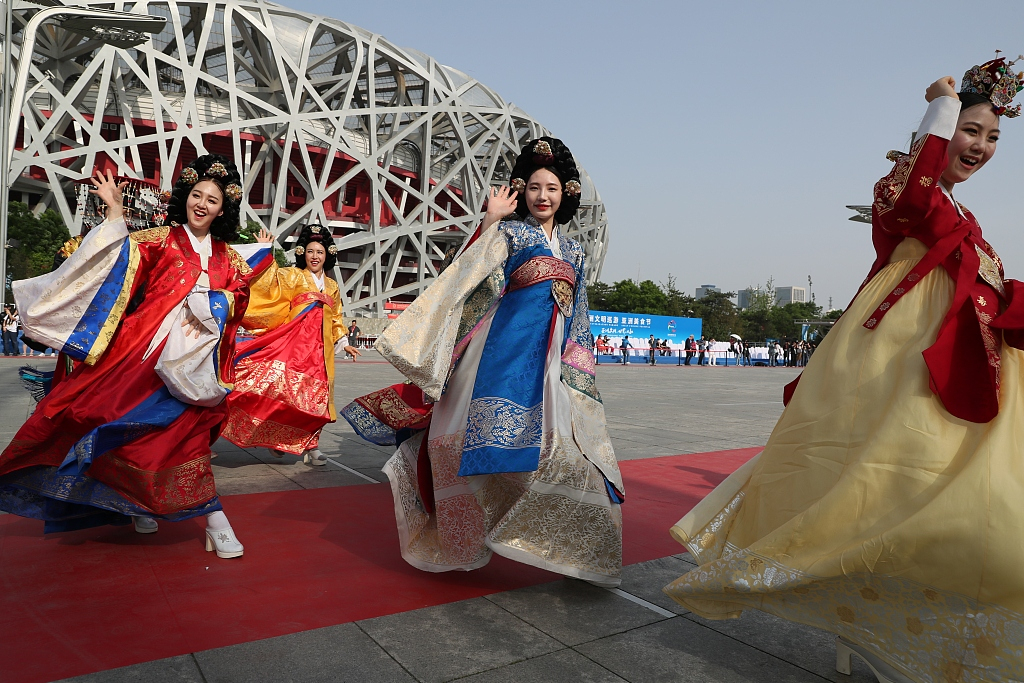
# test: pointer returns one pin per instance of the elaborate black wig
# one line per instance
(225, 176)
(551, 154)
(970, 99)
(314, 232)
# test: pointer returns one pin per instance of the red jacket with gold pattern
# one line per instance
(964, 361)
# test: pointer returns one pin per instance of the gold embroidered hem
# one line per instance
(872, 512)
(247, 431)
(557, 518)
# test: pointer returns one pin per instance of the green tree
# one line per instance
(676, 302)
(598, 295)
(718, 314)
(38, 239)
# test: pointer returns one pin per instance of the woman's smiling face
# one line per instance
(204, 204)
(315, 257)
(973, 143)
(543, 195)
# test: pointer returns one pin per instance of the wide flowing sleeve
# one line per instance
(78, 307)
(271, 290)
(589, 425)
(420, 343)
(909, 192)
(338, 329)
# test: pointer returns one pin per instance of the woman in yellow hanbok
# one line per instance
(887, 505)
(284, 377)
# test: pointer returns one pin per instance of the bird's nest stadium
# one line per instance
(326, 121)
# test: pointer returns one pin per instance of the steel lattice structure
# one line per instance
(326, 122)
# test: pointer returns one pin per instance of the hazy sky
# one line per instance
(727, 138)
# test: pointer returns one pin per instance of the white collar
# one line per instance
(956, 204)
(201, 248)
(318, 280)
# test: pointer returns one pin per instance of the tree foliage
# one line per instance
(764, 319)
(38, 239)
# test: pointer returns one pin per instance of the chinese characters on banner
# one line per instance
(639, 326)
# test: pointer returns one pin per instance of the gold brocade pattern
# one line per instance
(480, 301)
(558, 517)
(238, 263)
(562, 293)
(240, 428)
(165, 492)
(989, 272)
(151, 234)
(889, 188)
(71, 246)
(275, 381)
(390, 409)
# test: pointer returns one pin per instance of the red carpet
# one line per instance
(92, 600)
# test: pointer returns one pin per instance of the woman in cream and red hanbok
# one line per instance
(503, 445)
(887, 505)
(151, 315)
(284, 377)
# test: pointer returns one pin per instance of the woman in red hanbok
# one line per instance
(284, 378)
(152, 316)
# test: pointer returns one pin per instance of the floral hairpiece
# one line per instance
(300, 250)
(189, 176)
(542, 154)
(217, 169)
(332, 250)
(233, 192)
(995, 81)
(517, 184)
(573, 188)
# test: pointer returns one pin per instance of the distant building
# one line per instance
(744, 297)
(703, 290)
(790, 295)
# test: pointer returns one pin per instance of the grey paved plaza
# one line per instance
(565, 630)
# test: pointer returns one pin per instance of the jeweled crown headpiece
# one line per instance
(190, 176)
(995, 81)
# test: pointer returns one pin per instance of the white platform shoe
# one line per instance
(314, 457)
(224, 542)
(882, 671)
(145, 525)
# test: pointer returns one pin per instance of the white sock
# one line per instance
(217, 521)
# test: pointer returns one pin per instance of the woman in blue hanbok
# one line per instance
(503, 447)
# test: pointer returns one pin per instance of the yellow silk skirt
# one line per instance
(872, 512)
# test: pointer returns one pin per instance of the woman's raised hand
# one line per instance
(265, 236)
(110, 193)
(500, 203)
(944, 87)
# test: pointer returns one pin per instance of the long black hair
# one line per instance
(226, 177)
(556, 158)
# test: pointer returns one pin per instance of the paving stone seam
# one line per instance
(643, 603)
(199, 668)
(352, 471)
(385, 651)
(693, 618)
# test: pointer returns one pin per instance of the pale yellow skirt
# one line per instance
(872, 512)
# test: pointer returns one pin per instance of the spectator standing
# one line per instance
(652, 348)
(746, 355)
(689, 347)
(10, 330)
(772, 354)
(702, 348)
(625, 346)
(353, 332)
(711, 351)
